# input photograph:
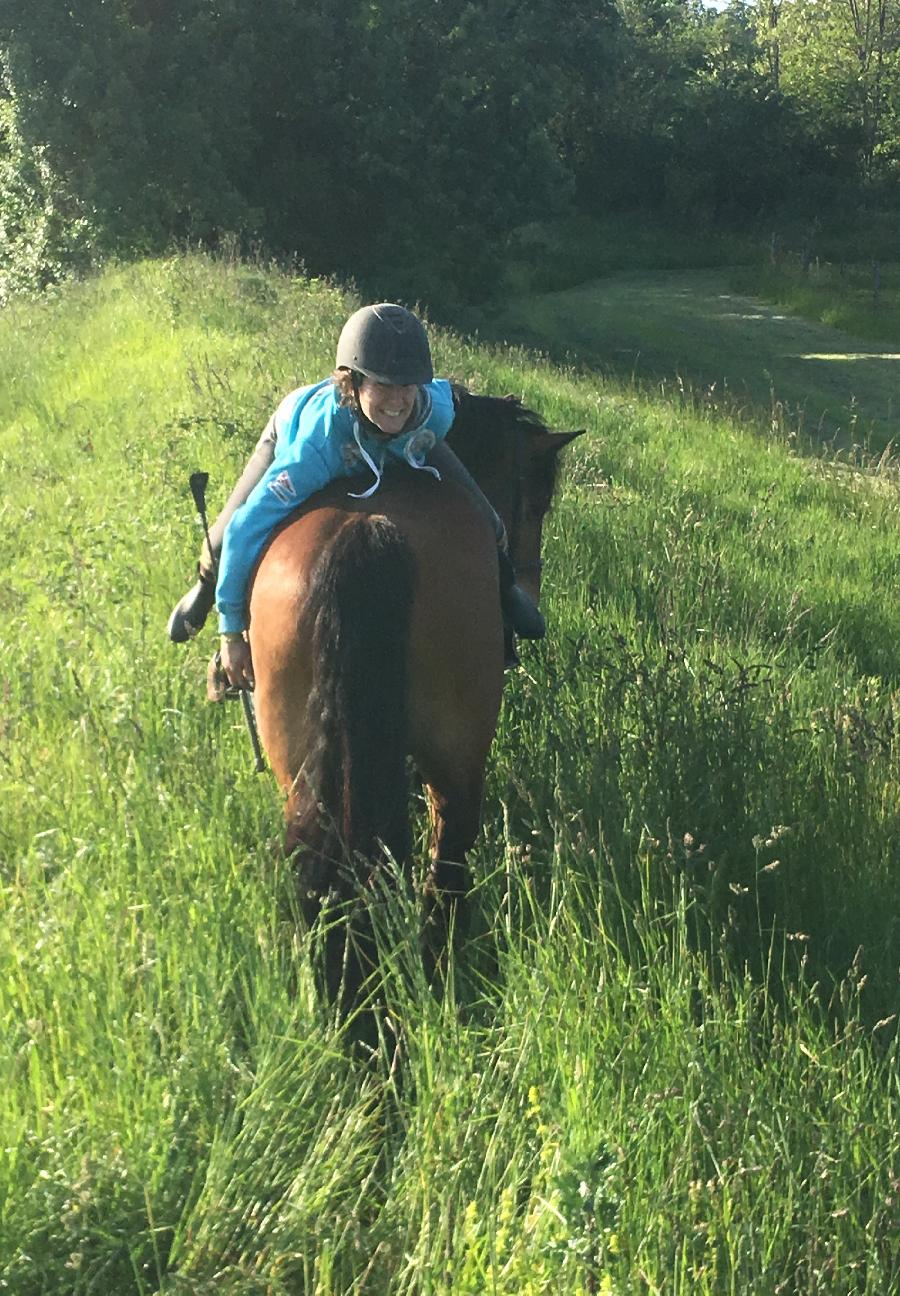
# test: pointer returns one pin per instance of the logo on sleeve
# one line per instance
(283, 488)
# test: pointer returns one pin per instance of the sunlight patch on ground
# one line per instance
(847, 355)
(738, 315)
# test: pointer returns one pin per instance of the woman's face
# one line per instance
(387, 406)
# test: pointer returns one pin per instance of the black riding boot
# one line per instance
(521, 616)
(191, 611)
(519, 610)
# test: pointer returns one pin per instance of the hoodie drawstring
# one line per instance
(408, 454)
(370, 461)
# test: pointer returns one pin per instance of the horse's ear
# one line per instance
(556, 441)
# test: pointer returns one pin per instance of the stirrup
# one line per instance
(190, 612)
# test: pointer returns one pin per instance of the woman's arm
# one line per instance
(284, 488)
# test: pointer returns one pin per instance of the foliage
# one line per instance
(186, 121)
(550, 256)
(403, 146)
(840, 61)
(666, 1058)
(43, 233)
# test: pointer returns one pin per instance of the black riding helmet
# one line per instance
(386, 343)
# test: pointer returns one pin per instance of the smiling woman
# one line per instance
(381, 407)
(386, 406)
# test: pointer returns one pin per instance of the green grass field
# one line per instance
(667, 1061)
(776, 366)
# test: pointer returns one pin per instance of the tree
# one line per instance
(352, 134)
(43, 230)
(840, 62)
(136, 106)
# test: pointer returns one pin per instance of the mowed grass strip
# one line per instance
(669, 1063)
(718, 334)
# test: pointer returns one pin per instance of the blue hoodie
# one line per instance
(317, 440)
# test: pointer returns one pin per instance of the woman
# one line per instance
(382, 403)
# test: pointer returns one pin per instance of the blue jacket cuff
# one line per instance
(231, 621)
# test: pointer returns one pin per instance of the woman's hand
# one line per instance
(236, 661)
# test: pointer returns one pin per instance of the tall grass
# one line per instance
(667, 1061)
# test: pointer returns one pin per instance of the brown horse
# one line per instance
(376, 635)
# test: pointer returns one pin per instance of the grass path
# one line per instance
(668, 1063)
(690, 325)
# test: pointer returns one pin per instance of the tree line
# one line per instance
(411, 138)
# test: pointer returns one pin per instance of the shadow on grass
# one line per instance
(710, 782)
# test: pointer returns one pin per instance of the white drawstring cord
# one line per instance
(421, 441)
(417, 447)
(370, 461)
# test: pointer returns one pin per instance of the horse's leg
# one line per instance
(455, 797)
(455, 702)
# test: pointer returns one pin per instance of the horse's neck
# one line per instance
(483, 441)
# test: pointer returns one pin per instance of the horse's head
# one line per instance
(514, 457)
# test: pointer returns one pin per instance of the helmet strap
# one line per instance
(366, 423)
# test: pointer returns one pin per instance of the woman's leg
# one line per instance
(452, 468)
(519, 612)
(191, 611)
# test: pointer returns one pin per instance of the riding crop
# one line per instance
(198, 482)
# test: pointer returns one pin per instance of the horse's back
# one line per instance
(454, 643)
